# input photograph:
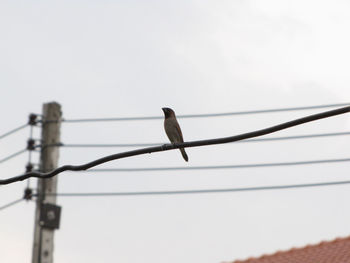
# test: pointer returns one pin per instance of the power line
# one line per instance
(13, 131)
(307, 136)
(168, 147)
(203, 191)
(215, 167)
(11, 204)
(138, 118)
(12, 155)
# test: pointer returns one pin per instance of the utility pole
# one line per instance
(47, 213)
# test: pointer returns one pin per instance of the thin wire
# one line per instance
(203, 191)
(245, 141)
(215, 167)
(174, 146)
(13, 131)
(206, 115)
(12, 155)
(11, 204)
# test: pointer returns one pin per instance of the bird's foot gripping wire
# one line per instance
(166, 146)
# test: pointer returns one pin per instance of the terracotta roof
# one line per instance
(336, 251)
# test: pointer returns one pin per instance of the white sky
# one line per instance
(131, 58)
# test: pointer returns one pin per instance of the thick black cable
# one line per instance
(207, 115)
(216, 167)
(12, 155)
(11, 204)
(282, 138)
(203, 191)
(168, 147)
(13, 131)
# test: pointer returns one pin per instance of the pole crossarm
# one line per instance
(167, 147)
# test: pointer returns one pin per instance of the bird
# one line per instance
(173, 130)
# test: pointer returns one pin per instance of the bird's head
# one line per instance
(168, 112)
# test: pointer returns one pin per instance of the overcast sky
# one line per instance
(131, 58)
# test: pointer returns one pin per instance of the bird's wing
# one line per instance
(178, 129)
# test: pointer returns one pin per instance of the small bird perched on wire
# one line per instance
(173, 130)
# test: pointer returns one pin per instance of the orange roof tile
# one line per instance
(336, 251)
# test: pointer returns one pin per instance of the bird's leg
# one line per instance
(165, 146)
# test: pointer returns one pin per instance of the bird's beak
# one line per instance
(164, 110)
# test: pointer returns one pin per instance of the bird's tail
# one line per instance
(184, 155)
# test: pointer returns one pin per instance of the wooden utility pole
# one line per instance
(47, 213)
